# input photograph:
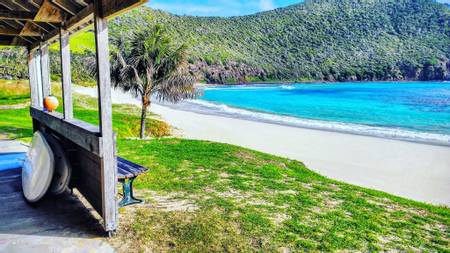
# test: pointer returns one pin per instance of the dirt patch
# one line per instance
(287, 192)
(234, 194)
(224, 175)
(3, 136)
(332, 203)
(245, 155)
(259, 202)
(279, 218)
(169, 202)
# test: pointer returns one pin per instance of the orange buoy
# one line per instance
(51, 103)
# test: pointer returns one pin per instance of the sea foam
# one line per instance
(205, 107)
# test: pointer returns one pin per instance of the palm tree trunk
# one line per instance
(145, 105)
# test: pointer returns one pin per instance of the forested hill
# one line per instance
(318, 39)
(315, 40)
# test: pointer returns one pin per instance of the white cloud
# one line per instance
(266, 5)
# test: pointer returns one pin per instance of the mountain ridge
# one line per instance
(323, 40)
(315, 40)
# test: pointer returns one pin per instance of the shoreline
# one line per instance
(215, 109)
(408, 169)
(200, 85)
(412, 170)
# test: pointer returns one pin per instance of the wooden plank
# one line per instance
(79, 132)
(24, 5)
(49, 13)
(17, 15)
(67, 5)
(33, 79)
(30, 29)
(86, 15)
(13, 24)
(66, 73)
(72, 25)
(39, 79)
(112, 8)
(8, 31)
(89, 181)
(11, 42)
(45, 70)
(86, 170)
(109, 162)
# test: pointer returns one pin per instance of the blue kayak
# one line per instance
(10, 161)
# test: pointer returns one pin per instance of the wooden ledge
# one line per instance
(79, 132)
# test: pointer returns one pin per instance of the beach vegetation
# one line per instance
(325, 40)
(14, 92)
(150, 65)
(16, 123)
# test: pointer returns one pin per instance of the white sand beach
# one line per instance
(412, 170)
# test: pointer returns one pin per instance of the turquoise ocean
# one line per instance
(414, 111)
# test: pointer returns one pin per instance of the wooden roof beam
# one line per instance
(17, 15)
(83, 17)
(12, 24)
(31, 29)
(49, 13)
(67, 5)
(24, 5)
(82, 2)
(6, 41)
(9, 31)
(7, 4)
(110, 8)
(17, 39)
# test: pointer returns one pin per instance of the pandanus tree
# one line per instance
(149, 66)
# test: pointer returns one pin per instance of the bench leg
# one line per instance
(128, 198)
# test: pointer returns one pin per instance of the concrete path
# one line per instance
(55, 224)
(50, 244)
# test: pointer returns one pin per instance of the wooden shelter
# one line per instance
(36, 24)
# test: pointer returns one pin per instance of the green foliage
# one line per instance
(16, 123)
(80, 43)
(158, 129)
(319, 40)
(239, 200)
(149, 64)
(13, 63)
(14, 92)
(334, 40)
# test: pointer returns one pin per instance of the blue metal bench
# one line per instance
(126, 173)
(11, 166)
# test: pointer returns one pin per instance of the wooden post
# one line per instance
(45, 71)
(66, 73)
(109, 171)
(33, 79)
(38, 75)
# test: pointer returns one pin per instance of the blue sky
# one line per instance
(222, 7)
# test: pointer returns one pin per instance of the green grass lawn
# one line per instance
(16, 123)
(80, 42)
(13, 92)
(211, 197)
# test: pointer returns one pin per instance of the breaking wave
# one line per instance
(205, 107)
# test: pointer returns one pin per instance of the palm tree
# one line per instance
(148, 65)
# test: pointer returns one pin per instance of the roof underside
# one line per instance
(31, 22)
